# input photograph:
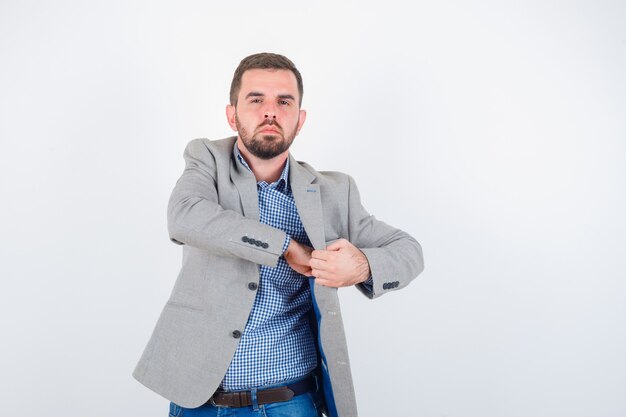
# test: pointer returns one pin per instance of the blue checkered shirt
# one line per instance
(277, 343)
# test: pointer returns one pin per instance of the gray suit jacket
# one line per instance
(212, 207)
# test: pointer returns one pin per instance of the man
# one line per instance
(253, 324)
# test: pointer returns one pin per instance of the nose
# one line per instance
(270, 118)
(270, 111)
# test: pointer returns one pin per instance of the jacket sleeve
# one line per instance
(195, 218)
(395, 258)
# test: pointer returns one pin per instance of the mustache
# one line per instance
(270, 122)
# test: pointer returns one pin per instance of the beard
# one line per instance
(266, 146)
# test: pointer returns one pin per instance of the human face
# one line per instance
(267, 115)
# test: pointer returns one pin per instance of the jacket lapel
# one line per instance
(245, 182)
(308, 202)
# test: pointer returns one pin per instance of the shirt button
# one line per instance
(236, 334)
(252, 286)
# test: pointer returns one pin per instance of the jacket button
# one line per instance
(266, 245)
(252, 286)
(245, 239)
(236, 334)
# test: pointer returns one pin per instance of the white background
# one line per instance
(492, 131)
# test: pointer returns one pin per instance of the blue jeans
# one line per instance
(308, 404)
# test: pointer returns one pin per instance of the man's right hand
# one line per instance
(298, 256)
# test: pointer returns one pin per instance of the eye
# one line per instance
(283, 102)
(255, 100)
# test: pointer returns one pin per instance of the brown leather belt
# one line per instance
(264, 396)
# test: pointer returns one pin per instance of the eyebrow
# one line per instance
(254, 94)
(286, 96)
(280, 96)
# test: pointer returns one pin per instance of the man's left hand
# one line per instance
(342, 264)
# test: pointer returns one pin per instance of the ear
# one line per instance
(231, 116)
(301, 120)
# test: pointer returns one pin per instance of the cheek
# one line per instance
(248, 118)
(291, 118)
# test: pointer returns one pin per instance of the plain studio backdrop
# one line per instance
(494, 132)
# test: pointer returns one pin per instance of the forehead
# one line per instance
(269, 82)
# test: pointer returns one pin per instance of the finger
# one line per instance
(326, 275)
(327, 282)
(318, 264)
(317, 273)
(301, 269)
(339, 244)
(329, 268)
(322, 254)
(306, 272)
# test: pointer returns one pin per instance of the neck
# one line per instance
(267, 170)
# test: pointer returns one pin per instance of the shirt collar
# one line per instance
(282, 184)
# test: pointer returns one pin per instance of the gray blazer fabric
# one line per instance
(212, 207)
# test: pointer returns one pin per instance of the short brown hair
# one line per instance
(264, 60)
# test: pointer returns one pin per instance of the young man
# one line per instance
(253, 324)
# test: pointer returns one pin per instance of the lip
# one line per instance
(269, 130)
